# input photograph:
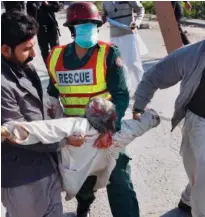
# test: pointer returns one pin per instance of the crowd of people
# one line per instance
(89, 80)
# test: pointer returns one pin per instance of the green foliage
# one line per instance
(197, 11)
(149, 7)
(99, 5)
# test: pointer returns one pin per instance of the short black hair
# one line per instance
(17, 27)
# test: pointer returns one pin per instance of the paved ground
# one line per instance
(157, 169)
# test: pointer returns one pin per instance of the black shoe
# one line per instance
(85, 214)
(185, 208)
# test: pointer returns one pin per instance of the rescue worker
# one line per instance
(127, 40)
(44, 13)
(79, 71)
(188, 66)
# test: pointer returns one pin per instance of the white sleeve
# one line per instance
(47, 131)
(130, 129)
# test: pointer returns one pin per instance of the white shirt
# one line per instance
(77, 163)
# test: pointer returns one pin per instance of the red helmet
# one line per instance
(81, 12)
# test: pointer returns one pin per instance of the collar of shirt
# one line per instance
(74, 62)
(17, 70)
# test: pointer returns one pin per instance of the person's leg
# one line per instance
(43, 42)
(185, 199)
(197, 138)
(193, 153)
(39, 199)
(121, 194)
(119, 42)
(188, 159)
(86, 196)
(136, 74)
(55, 208)
(136, 65)
(53, 37)
(184, 38)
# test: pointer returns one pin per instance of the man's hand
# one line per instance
(11, 138)
(136, 115)
(52, 111)
(133, 26)
(45, 3)
(75, 141)
(4, 134)
(188, 5)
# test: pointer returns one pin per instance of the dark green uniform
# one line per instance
(122, 197)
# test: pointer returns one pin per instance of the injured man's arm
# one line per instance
(97, 156)
(99, 119)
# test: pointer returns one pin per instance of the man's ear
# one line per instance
(5, 51)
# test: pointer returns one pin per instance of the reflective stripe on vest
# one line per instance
(85, 83)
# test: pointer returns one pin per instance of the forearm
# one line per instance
(121, 101)
(168, 72)
(18, 136)
(144, 94)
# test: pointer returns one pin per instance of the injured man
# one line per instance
(97, 156)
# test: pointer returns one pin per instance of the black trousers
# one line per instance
(47, 39)
(121, 195)
(184, 38)
(179, 13)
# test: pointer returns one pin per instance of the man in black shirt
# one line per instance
(179, 13)
(197, 103)
(14, 5)
(44, 13)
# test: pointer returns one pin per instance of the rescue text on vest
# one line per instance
(75, 77)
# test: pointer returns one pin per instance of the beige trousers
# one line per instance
(193, 153)
(39, 199)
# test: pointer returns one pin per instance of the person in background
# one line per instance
(179, 13)
(127, 40)
(80, 71)
(48, 34)
(185, 65)
(14, 5)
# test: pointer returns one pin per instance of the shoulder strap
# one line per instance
(105, 43)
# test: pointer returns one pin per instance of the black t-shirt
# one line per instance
(178, 10)
(197, 103)
(44, 14)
